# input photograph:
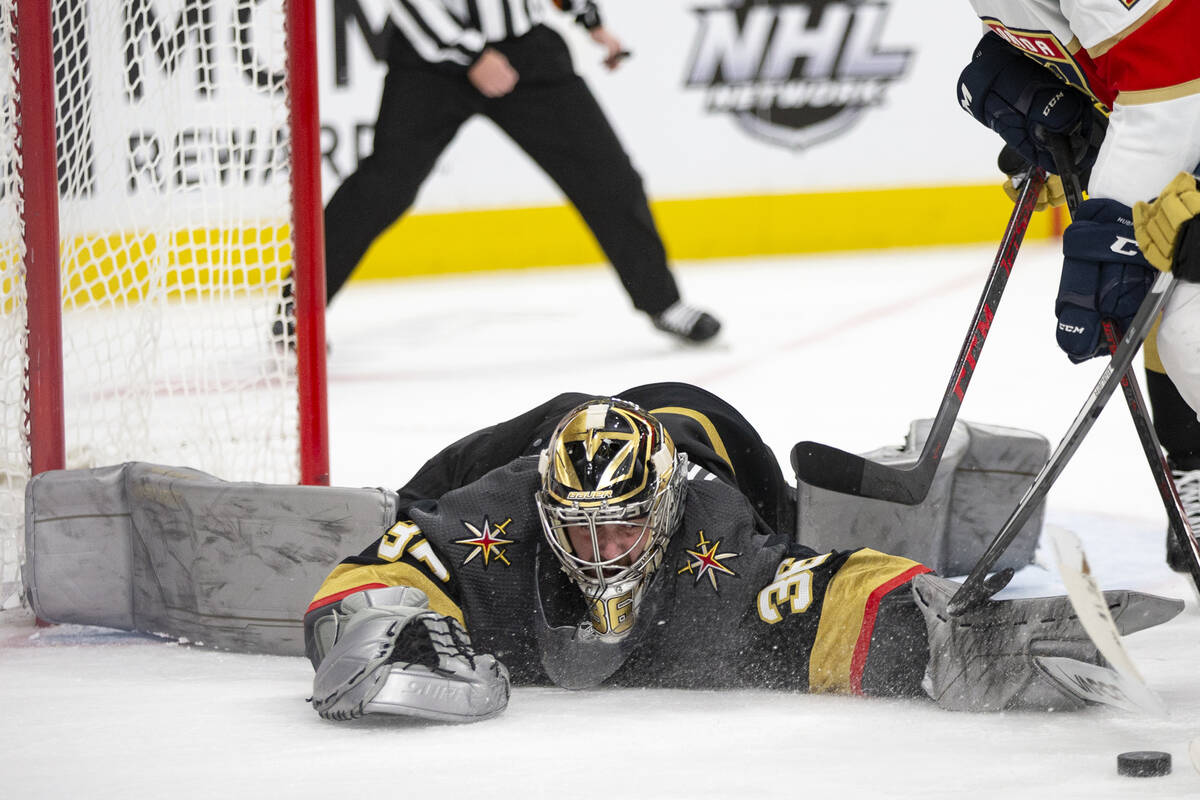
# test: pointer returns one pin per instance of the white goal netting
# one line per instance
(175, 242)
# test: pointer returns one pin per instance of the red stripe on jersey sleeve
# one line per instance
(1161, 53)
(1097, 84)
(858, 662)
(333, 598)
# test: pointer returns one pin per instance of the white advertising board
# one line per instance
(720, 98)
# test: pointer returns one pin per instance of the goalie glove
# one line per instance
(390, 654)
(984, 659)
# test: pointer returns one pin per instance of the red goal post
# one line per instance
(159, 198)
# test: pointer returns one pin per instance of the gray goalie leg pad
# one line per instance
(177, 552)
(392, 655)
(983, 660)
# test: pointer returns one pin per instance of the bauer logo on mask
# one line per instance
(794, 72)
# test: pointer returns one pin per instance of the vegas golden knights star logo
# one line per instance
(486, 540)
(704, 561)
(794, 72)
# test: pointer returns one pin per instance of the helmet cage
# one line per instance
(656, 518)
(610, 463)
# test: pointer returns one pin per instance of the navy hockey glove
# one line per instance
(1020, 100)
(1104, 276)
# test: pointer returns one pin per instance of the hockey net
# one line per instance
(176, 240)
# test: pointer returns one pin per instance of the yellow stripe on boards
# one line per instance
(100, 267)
(718, 227)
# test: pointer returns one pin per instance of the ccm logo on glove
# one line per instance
(1104, 277)
(1053, 102)
(1125, 246)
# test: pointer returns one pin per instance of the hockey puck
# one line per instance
(1144, 764)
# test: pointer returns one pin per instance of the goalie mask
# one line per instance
(611, 496)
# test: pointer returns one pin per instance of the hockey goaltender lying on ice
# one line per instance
(587, 542)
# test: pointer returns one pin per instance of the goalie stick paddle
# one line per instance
(836, 470)
(1092, 609)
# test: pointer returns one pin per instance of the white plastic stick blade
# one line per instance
(1088, 601)
(1098, 684)
(1194, 752)
(1092, 608)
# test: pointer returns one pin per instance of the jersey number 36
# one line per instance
(791, 591)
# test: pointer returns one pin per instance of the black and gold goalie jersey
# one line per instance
(733, 604)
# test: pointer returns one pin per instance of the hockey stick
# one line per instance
(978, 586)
(1092, 609)
(836, 470)
(1096, 684)
(1155, 456)
(1177, 521)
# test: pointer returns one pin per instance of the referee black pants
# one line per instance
(551, 115)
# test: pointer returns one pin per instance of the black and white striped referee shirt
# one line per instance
(457, 31)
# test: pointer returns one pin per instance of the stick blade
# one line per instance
(908, 486)
(1097, 684)
(1091, 607)
(846, 473)
(828, 467)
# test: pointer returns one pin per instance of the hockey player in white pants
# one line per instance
(1049, 69)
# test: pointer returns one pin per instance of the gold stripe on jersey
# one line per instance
(1144, 96)
(1100, 48)
(345, 577)
(714, 438)
(844, 610)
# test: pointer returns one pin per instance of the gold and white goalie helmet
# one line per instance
(611, 496)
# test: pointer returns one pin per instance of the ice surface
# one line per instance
(841, 349)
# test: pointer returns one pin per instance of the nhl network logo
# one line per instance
(794, 72)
